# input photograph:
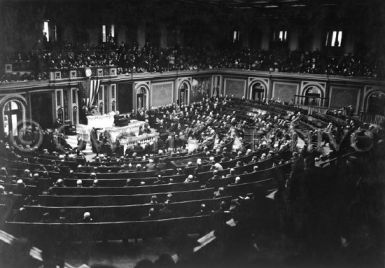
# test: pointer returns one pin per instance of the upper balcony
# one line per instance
(58, 77)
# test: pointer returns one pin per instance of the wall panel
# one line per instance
(285, 91)
(343, 96)
(235, 87)
(161, 93)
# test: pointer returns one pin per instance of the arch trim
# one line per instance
(370, 93)
(262, 82)
(4, 101)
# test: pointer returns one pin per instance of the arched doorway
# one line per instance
(141, 98)
(257, 91)
(312, 96)
(13, 112)
(376, 103)
(184, 94)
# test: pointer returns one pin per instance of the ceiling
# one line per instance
(265, 5)
(261, 3)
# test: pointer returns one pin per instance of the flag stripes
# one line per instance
(93, 91)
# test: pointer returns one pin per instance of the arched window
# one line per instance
(183, 94)
(141, 98)
(13, 112)
(312, 96)
(376, 103)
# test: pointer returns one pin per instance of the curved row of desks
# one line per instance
(109, 230)
(119, 213)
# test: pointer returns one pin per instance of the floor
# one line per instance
(118, 254)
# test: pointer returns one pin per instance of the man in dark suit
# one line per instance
(202, 211)
(170, 143)
(95, 144)
(58, 123)
(165, 212)
(150, 166)
(152, 215)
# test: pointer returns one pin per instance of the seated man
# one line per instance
(169, 198)
(151, 166)
(59, 183)
(138, 149)
(87, 217)
(95, 183)
(20, 187)
(79, 183)
(213, 179)
(190, 178)
(165, 212)
(129, 183)
(3, 172)
(152, 215)
(203, 210)
(147, 129)
(218, 166)
(219, 193)
(231, 173)
(159, 180)
(154, 199)
(237, 180)
(81, 144)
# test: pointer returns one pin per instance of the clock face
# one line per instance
(88, 72)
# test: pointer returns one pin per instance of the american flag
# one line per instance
(93, 91)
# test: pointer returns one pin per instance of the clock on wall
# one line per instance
(88, 72)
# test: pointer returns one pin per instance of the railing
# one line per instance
(75, 73)
(18, 67)
(311, 109)
(310, 100)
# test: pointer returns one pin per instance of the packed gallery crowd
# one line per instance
(326, 190)
(132, 59)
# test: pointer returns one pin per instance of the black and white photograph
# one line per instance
(192, 133)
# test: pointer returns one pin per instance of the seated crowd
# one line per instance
(210, 163)
(132, 59)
